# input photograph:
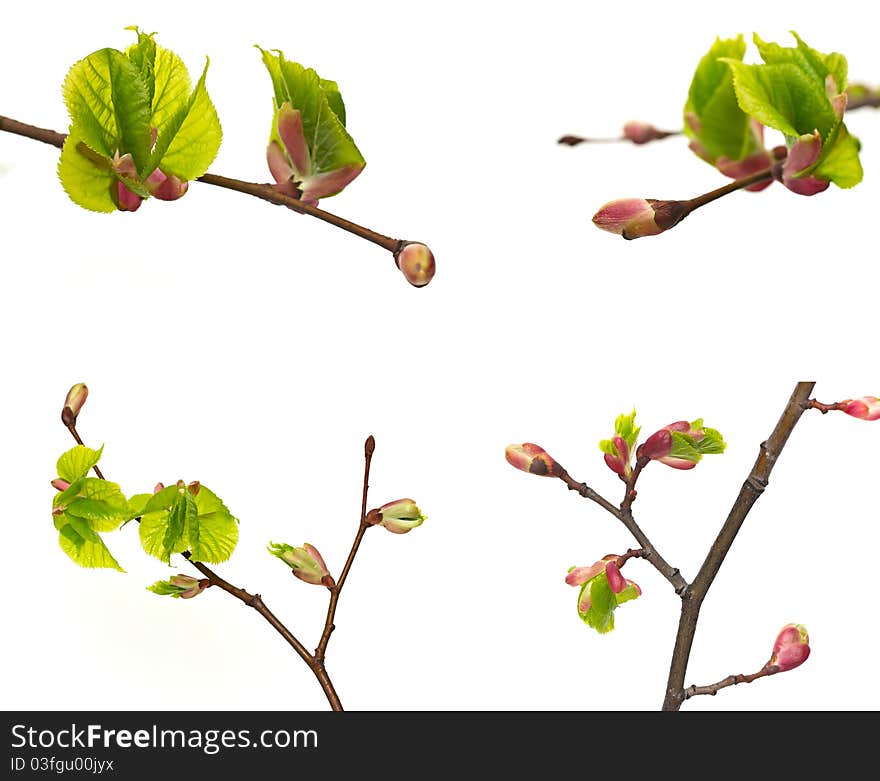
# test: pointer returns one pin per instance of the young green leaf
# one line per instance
(189, 140)
(98, 502)
(166, 588)
(76, 462)
(597, 602)
(134, 124)
(313, 155)
(800, 91)
(714, 122)
(82, 545)
(180, 518)
(603, 601)
(215, 534)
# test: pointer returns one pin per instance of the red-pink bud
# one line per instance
(158, 487)
(657, 446)
(73, 403)
(865, 408)
(60, 484)
(629, 217)
(620, 463)
(642, 132)
(533, 459)
(416, 262)
(126, 200)
(615, 579)
(164, 187)
(192, 586)
(792, 647)
(801, 157)
(737, 169)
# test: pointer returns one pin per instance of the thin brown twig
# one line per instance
(650, 553)
(329, 626)
(824, 408)
(731, 680)
(263, 191)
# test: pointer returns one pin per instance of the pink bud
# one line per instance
(737, 169)
(801, 157)
(306, 563)
(73, 403)
(615, 579)
(126, 200)
(577, 576)
(619, 464)
(158, 487)
(399, 516)
(642, 132)
(792, 647)
(60, 485)
(193, 586)
(416, 262)
(630, 218)
(290, 130)
(533, 459)
(865, 408)
(657, 446)
(164, 187)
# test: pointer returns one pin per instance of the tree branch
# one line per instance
(625, 516)
(263, 191)
(753, 487)
(256, 602)
(329, 626)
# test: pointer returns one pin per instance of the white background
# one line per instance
(253, 349)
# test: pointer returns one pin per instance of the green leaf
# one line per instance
(323, 113)
(88, 185)
(629, 592)
(214, 535)
(841, 164)
(109, 105)
(163, 522)
(166, 588)
(138, 502)
(712, 442)
(684, 447)
(334, 98)
(807, 59)
(783, 96)
(174, 520)
(101, 504)
(723, 129)
(143, 56)
(76, 462)
(189, 140)
(625, 427)
(82, 545)
(600, 614)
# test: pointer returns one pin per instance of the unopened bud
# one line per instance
(60, 484)
(642, 132)
(73, 404)
(865, 408)
(191, 587)
(399, 516)
(533, 459)
(633, 218)
(792, 647)
(416, 262)
(306, 563)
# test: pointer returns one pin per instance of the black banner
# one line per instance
(120, 744)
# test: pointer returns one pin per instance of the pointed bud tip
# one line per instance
(631, 218)
(369, 445)
(416, 262)
(73, 403)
